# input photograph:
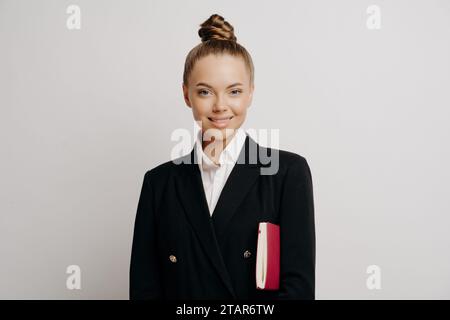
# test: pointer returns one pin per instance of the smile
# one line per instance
(220, 123)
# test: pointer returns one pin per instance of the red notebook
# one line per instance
(268, 257)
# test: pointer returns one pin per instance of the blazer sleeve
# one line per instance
(144, 273)
(297, 234)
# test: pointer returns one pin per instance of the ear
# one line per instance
(186, 95)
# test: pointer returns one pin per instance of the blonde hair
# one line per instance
(218, 38)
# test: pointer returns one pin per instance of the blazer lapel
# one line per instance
(239, 182)
(191, 193)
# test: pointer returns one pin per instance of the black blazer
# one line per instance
(180, 252)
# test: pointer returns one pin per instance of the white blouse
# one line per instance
(215, 176)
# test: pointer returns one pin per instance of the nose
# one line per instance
(220, 104)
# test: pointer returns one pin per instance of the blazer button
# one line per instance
(247, 254)
(172, 258)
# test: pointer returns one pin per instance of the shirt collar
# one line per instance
(228, 156)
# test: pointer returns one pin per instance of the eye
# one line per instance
(236, 91)
(200, 92)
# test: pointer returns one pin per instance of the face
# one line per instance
(219, 93)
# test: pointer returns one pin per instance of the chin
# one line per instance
(223, 132)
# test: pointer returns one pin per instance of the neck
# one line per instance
(215, 148)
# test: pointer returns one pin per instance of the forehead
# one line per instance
(220, 70)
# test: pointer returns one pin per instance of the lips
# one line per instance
(220, 119)
(221, 122)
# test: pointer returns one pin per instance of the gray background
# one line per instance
(83, 111)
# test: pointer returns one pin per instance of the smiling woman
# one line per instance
(219, 89)
(196, 228)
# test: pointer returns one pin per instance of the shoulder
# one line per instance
(287, 162)
(290, 159)
(161, 172)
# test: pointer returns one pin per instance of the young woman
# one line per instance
(196, 227)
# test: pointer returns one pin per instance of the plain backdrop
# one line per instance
(82, 113)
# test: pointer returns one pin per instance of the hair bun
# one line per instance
(216, 28)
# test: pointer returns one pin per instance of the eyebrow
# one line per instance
(207, 85)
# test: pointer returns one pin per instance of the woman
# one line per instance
(196, 227)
